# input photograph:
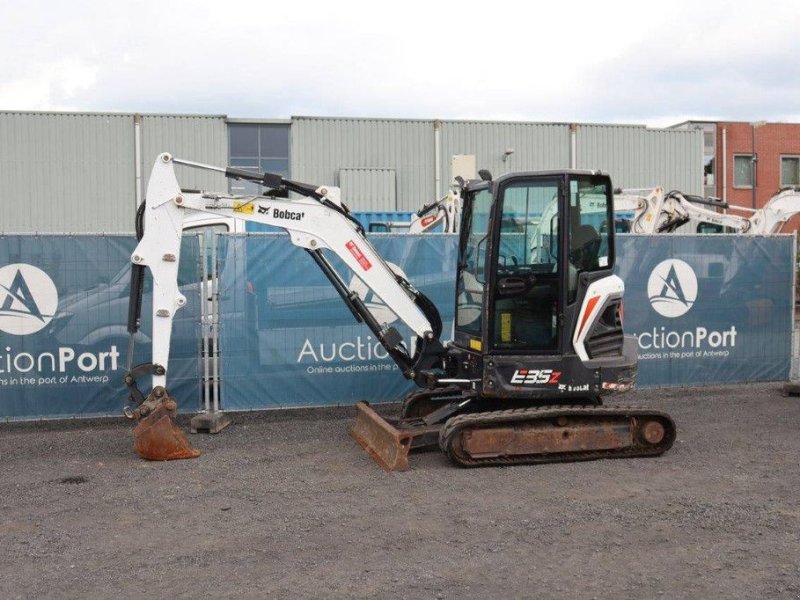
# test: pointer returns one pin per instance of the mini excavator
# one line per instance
(537, 340)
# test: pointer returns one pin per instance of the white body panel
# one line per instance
(598, 294)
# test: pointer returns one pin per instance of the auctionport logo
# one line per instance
(28, 299)
(672, 288)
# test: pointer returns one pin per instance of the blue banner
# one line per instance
(708, 309)
(63, 316)
(287, 339)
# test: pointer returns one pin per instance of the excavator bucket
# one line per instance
(385, 444)
(156, 437)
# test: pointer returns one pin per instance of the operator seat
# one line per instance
(584, 248)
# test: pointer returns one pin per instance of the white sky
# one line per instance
(571, 60)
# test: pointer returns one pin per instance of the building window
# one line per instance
(258, 147)
(790, 171)
(743, 170)
(709, 154)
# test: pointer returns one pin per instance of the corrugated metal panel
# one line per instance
(62, 172)
(320, 147)
(197, 138)
(634, 155)
(637, 157)
(369, 189)
(75, 172)
(536, 146)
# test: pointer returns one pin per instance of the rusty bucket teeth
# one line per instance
(157, 438)
(385, 444)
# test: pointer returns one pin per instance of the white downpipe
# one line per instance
(724, 164)
(437, 159)
(137, 156)
(573, 146)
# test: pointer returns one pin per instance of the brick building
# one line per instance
(732, 174)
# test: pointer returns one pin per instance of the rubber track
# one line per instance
(459, 423)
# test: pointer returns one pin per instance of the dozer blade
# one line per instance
(386, 445)
(156, 437)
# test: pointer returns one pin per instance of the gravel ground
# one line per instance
(285, 504)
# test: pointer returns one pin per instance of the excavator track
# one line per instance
(555, 434)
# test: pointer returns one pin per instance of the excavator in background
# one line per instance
(537, 341)
(657, 212)
(445, 212)
(646, 211)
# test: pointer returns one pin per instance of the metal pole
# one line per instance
(214, 317)
(725, 165)
(437, 159)
(753, 160)
(204, 323)
(795, 364)
(212, 419)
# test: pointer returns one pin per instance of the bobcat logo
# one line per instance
(672, 288)
(28, 299)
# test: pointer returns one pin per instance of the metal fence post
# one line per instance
(212, 419)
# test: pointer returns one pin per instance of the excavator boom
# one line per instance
(318, 223)
(655, 211)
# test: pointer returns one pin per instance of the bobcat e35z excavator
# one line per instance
(537, 339)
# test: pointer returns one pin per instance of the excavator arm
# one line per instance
(677, 210)
(657, 212)
(318, 222)
(774, 214)
(445, 212)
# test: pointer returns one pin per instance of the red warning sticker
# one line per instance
(428, 220)
(358, 255)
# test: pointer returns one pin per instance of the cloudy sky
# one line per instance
(570, 60)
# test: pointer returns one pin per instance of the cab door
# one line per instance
(526, 297)
(471, 275)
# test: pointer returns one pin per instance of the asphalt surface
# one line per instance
(286, 505)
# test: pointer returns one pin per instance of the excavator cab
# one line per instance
(532, 246)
